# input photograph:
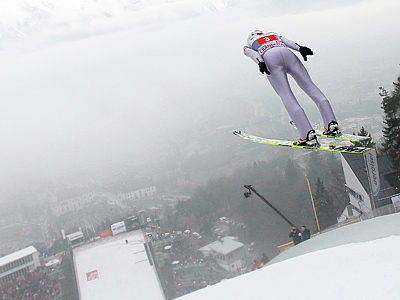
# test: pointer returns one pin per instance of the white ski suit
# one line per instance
(280, 61)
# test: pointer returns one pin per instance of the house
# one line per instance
(229, 253)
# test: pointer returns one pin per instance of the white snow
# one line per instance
(335, 268)
(119, 270)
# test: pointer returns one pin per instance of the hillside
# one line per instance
(358, 261)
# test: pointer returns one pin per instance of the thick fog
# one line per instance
(87, 86)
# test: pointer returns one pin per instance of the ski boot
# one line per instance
(311, 140)
(333, 129)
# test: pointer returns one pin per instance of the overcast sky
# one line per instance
(92, 83)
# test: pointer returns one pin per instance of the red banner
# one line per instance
(105, 233)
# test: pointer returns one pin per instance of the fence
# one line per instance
(378, 212)
(381, 211)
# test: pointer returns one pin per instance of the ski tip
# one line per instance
(237, 132)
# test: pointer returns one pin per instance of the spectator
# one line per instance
(295, 233)
(306, 233)
(264, 259)
(256, 265)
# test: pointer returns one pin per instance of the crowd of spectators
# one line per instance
(35, 286)
(183, 265)
(192, 271)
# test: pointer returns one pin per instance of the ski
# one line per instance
(284, 143)
(340, 136)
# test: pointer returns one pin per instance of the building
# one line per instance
(360, 184)
(229, 253)
(139, 193)
(76, 238)
(18, 264)
(129, 187)
(73, 199)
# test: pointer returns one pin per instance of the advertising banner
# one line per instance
(118, 228)
(92, 275)
(105, 233)
(396, 199)
(373, 173)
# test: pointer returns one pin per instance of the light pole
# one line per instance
(248, 194)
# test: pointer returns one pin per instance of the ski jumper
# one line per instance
(280, 61)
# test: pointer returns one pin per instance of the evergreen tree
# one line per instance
(324, 205)
(367, 143)
(391, 128)
(335, 183)
(316, 167)
(293, 172)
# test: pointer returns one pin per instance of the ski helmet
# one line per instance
(253, 33)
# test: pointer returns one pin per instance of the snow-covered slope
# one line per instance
(114, 269)
(366, 231)
(359, 261)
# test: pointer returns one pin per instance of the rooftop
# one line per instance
(75, 235)
(224, 246)
(17, 255)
